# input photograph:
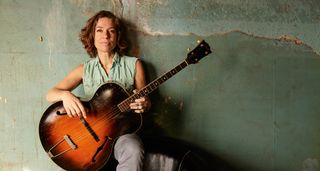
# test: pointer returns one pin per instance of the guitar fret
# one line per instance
(133, 98)
(122, 107)
(164, 78)
(149, 90)
(173, 71)
(142, 94)
(126, 105)
(152, 87)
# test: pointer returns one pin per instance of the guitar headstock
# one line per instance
(202, 50)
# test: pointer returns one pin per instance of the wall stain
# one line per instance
(311, 164)
(288, 38)
(181, 106)
(118, 8)
(40, 39)
(8, 165)
(283, 38)
(84, 5)
(3, 99)
(56, 29)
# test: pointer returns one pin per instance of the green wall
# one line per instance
(253, 103)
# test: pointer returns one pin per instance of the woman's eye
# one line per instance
(112, 31)
(99, 30)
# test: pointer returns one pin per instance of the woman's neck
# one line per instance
(106, 58)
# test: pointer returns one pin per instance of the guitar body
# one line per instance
(86, 144)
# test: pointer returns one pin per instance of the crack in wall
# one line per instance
(145, 29)
(282, 38)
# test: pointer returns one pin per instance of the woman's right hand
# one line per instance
(62, 92)
(72, 105)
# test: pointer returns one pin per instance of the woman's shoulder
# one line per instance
(91, 61)
(90, 64)
(126, 58)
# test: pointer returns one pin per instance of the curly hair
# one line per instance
(87, 33)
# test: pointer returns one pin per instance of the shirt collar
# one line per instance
(115, 60)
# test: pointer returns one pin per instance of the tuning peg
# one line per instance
(199, 41)
(189, 49)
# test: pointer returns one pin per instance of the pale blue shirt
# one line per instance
(121, 72)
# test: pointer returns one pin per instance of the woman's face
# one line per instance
(105, 39)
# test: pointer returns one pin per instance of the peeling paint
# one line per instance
(146, 30)
(40, 39)
(3, 99)
(25, 168)
(282, 38)
(287, 38)
(265, 18)
(118, 8)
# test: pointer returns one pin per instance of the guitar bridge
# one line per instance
(68, 140)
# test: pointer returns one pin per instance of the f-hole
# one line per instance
(100, 148)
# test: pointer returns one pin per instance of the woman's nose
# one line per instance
(107, 34)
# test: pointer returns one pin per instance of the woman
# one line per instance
(102, 38)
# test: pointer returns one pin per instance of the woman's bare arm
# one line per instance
(142, 104)
(62, 92)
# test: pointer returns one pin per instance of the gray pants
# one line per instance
(129, 152)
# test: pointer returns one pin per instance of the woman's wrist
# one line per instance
(64, 94)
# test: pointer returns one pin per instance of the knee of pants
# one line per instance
(128, 145)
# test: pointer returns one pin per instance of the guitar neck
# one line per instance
(124, 105)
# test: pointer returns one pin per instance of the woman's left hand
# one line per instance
(140, 105)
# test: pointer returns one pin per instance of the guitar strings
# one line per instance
(107, 116)
(98, 124)
(115, 111)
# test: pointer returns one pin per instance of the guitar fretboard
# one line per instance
(124, 105)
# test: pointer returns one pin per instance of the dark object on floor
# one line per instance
(169, 154)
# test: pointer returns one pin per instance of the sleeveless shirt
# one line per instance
(121, 72)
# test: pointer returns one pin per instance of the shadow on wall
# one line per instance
(252, 75)
(165, 116)
(165, 153)
(162, 152)
(160, 105)
(169, 154)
